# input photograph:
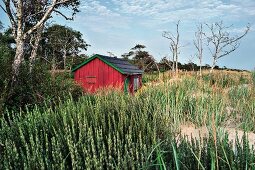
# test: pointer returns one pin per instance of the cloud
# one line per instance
(94, 7)
(164, 11)
(153, 13)
(117, 25)
(99, 18)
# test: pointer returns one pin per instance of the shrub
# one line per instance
(40, 88)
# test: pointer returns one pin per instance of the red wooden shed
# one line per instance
(102, 71)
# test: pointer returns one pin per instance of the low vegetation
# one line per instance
(116, 131)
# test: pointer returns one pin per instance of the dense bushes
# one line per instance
(39, 87)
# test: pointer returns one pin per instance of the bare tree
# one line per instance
(172, 49)
(27, 17)
(198, 43)
(220, 42)
(174, 45)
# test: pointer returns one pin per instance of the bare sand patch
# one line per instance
(190, 131)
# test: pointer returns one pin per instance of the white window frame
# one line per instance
(136, 83)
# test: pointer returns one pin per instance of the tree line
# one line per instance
(31, 47)
(216, 37)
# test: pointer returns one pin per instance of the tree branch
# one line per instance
(40, 12)
(67, 18)
(46, 15)
(3, 9)
(9, 14)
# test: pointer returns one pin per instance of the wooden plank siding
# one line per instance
(105, 76)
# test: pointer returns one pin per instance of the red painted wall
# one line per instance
(96, 74)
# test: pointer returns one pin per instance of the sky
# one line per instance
(118, 25)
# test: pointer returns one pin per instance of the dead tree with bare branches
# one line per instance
(174, 45)
(198, 43)
(220, 42)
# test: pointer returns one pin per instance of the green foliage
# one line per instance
(100, 132)
(6, 58)
(72, 62)
(116, 131)
(40, 87)
(61, 46)
(243, 80)
(226, 80)
(105, 132)
(149, 78)
(142, 59)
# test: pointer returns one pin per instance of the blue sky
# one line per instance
(118, 25)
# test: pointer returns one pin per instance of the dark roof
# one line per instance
(119, 64)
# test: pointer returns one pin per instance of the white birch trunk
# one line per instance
(19, 55)
(213, 65)
(200, 67)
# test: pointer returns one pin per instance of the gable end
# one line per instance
(97, 56)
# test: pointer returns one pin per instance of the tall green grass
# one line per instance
(117, 131)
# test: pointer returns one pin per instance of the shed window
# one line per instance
(136, 83)
(91, 79)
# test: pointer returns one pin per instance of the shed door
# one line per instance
(126, 84)
(91, 82)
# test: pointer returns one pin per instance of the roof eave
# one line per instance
(133, 73)
(97, 56)
(106, 62)
(83, 63)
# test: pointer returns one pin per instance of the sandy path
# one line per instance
(191, 131)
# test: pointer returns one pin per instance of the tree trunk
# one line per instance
(53, 67)
(158, 71)
(176, 67)
(71, 64)
(213, 65)
(64, 59)
(19, 39)
(19, 55)
(173, 64)
(176, 62)
(200, 67)
(34, 49)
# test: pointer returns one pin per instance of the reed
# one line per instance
(117, 131)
